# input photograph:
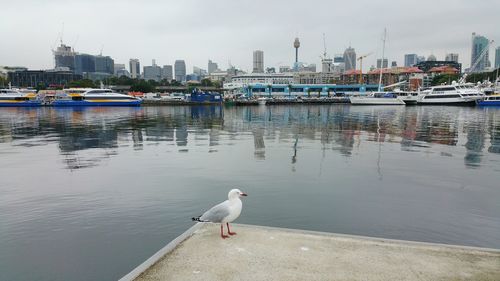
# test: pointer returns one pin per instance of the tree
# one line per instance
(84, 83)
(444, 79)
(3, 81)
(40, 86)
(207, 83)
(175, 83)
(142, 86)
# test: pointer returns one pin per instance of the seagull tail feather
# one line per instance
(197, 219)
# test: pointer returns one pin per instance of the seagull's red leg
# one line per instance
(229, 231)
(222, 231)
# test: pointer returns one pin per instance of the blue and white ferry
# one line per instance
(16, 98)
(94, 97)
(491, 100)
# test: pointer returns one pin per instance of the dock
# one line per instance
(267, 253)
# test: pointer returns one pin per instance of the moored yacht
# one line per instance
(451, 94)
(94, 97)
(377, 98)
(11, 97)
(408, 97)
(491, 100)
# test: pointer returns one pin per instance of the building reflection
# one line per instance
(337, 128)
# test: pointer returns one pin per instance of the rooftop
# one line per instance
(264, 253)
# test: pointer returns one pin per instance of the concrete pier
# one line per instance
(264, 253)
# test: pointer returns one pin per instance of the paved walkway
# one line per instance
(261, 253)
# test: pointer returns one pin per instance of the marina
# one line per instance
(118, 183)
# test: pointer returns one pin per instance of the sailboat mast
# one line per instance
(382, 62)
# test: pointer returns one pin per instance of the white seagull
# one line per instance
(225, 212)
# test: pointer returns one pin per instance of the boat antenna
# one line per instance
(382, 61)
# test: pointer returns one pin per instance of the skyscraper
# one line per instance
(180, 70)
(497, 57)
(451, 57)
(135, 68)
(167, 72)
(350, 59)
(64, 56)
(104, 64)
(479, 53)
(258, 61)
(385, 64)
(212, 67)
(84, 63)
(152, 72)
(411, 60)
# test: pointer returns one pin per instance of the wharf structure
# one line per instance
(266, 253)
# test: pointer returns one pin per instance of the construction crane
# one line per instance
(360, 58)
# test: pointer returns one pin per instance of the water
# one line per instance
(88, 194)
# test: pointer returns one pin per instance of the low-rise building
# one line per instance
(33, 78)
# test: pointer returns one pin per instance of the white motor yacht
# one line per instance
(451, 94)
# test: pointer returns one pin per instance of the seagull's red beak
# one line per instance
(243, 194)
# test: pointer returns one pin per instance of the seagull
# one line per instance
(225, 212)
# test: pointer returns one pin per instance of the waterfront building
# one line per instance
(350, 59)
(218, 76)
(326, 65)
(258, 61)
(394, 64)
(294, 90)
(410, 60)
(497, 57)
(180, 70)
(167, 73)
(104, 64)
(135, 68)
(451, 57)
(315, 77)
(32, 78)
(479, 45)
(122, 72)
(385, 63)
(152, 72)
(264, 78)
(64, 56)
(212, 67)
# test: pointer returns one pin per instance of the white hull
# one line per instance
(375, 101)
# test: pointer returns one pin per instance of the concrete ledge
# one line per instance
(267, 253)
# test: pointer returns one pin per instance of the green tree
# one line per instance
(206, 83)
(142, 86)
(3, 81)
(84, 83)
(40, 86)
(175, 83)
(444, 79)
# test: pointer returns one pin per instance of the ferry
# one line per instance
(11, 97)
(94, 97)
(491, 100)
(451, 94)
(377, 98)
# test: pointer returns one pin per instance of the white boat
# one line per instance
(12, 97)
(407, 96)
(94, 97)
(262, 101)
(377, 98)
(451, 94)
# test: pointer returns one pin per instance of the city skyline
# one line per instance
(226, 39)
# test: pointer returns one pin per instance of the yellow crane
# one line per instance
(360, 58)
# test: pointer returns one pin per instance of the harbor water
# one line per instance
(90, 193)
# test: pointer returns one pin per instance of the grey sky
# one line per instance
(229, 30)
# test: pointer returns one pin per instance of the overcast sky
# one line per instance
(229, 30)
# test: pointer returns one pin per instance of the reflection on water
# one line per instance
(338, 128)
(88, 194)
